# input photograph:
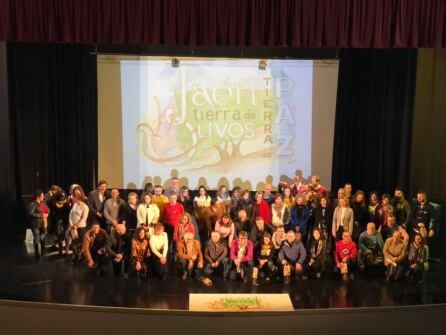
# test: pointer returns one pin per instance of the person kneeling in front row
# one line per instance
(345, 256)
(95, 245)
(140, 252)
(242, 257)
(418, 259)
(190, 259)
(159, 245)
(291, 257)
(215, 255)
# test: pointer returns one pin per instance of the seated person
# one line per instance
(278, 237)
(418, 259)
(242, 257)
(371, 246)
(190, 259)
(140, 252)
(265, 255)
(292, 257)
(315, 254)
(345, 256)
(259, 229)
(242, 223)
(119, 250)
(215, 255)
(95, 245)
(395, 256)
(159, 246)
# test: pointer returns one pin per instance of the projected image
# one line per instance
(214, 121)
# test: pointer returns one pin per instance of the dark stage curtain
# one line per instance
(53, 108)
(374, 114)
(298, 23)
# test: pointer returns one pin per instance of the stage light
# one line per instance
(175, 62)
(262, 64)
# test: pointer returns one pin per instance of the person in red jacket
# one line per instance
(172, 212)
(261, 208)
(345, 256)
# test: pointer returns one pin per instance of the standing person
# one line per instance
(120, 250)
(173, 188)
(316, 186)
(268, 196)
(159, 199)
(242, 222)
(292, 256)
(96, 200)
(242, 253)
(78, 221)
(131, 220)
(288, 198)
(216, 256)
(401, 208)
(298, 187)
(373, 205)
(202, 205)
(259, 230)
(360, 214)
(348, 188)
(172, 214)
(236, 202)
(50, 202)
(140, 252)
(418, 259)
(60, 214)
(94, 246)
(340, 194)
(159, 246)
(345, 256)
(226, 228)
(342, 220)
(148, 189)
(316, 254)
(323, 215)
(147, 214)
(422, 217)
(261, 208)
(114, 211)
(183, 226)
(38, 213)
(300, 215)
(280, 214)
(186, 200)
(395, 255)
(246, 204)
(383, 210)
(224, 197)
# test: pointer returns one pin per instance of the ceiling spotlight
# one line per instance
(175, 62)
(262, 64)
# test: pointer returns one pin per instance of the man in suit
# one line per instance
(96, 200)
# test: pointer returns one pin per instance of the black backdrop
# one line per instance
(374, 114)
(53, 118)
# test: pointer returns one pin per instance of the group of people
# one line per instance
(291, 234)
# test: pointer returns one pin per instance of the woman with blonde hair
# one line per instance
(342, 219)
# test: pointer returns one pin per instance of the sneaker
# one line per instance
(184, 275)
(318, 275)
(352, 276)
(255, 282)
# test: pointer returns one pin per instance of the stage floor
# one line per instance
(58, 280)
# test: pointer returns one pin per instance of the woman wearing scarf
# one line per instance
(140, 252)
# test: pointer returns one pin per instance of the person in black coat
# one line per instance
(96, 201)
